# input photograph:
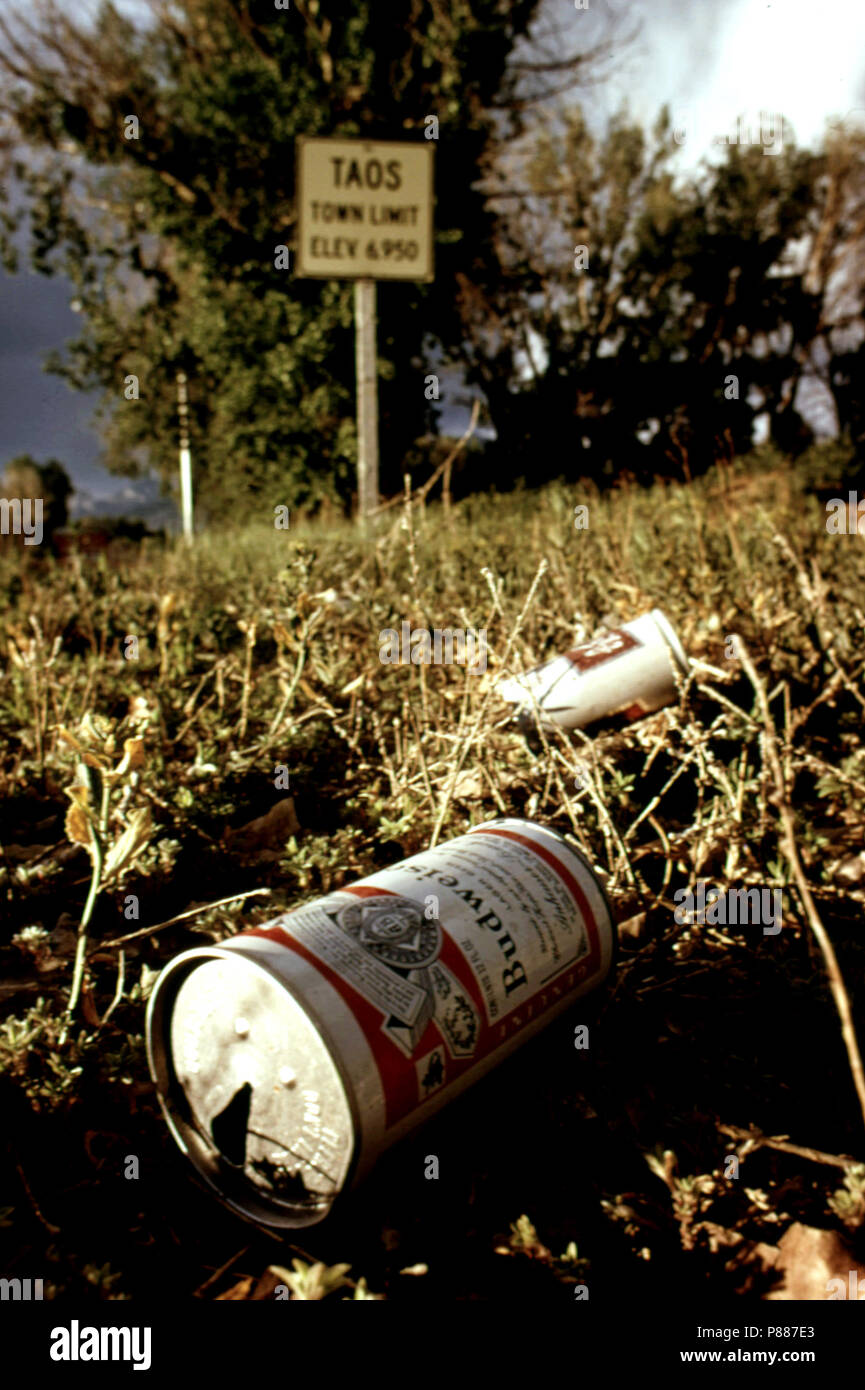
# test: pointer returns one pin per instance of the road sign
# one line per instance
(364, 209)
(364, 213)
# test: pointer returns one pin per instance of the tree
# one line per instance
(158, 174)
(835, 275)
(48, 482)
(643, 320)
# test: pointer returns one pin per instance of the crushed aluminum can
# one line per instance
(288, 1058)
(627, 672)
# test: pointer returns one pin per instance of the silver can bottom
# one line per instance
(249, 1088)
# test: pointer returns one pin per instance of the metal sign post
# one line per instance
(364, 213)
(367, 398)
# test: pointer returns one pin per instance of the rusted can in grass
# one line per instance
(627, 672)
(289, 1057)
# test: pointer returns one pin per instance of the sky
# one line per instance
(716, 58)
(711, 61)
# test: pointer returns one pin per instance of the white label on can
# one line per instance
(510, 913)
(329, 938)
(521, 926)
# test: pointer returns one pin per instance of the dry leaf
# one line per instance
(267, 1285)
(57, 950)
(134, 839)
(808, 1260)
(79, 817)
(852, 871)
(67, 737)
(468, 786)
(266, 832)
(167, 605)
(139, 709)
(95, 728)
(88, 1007)
(133, 756)
(633, 927)
(15, 655)
(237, 1293)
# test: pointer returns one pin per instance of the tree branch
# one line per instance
(790, 850)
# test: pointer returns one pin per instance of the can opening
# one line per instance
(230, 1127)
(249, 1087)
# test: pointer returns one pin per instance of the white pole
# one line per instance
(185, 459)
(367, 398)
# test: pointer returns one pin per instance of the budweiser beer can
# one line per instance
(629, 672)
(287, 1058)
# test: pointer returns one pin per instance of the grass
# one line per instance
(130, 771)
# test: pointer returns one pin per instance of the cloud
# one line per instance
(720, 60)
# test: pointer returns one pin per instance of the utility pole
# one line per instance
(185, 459)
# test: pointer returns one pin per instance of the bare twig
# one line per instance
(37, 1211)
(181, 917)
(444, 467)
(97, 833)
(790, 850)
(218, 1273)
(250, 633)
(467, 741)
(756, 1140)
(118, 993)
(408, 527)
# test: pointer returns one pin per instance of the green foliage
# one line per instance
(619, 366)
(49, 1070)
(685, 286)
(24, 477)
(313, 1282)
(524, 1236)
(260, 649)
(848, 1203)
(169, 238)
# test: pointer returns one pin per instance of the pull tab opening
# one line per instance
(229, 1128)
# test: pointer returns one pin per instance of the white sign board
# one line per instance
(364, 209)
